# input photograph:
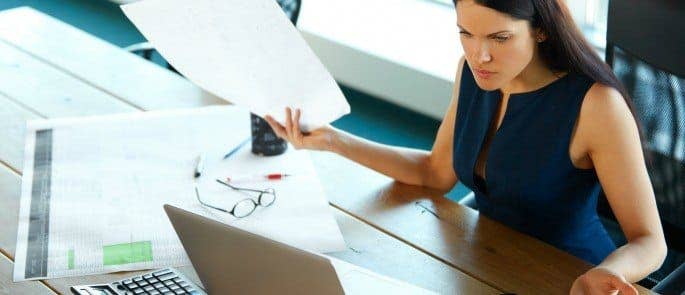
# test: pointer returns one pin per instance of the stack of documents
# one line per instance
(93, 190)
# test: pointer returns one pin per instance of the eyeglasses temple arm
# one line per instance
(197, 194)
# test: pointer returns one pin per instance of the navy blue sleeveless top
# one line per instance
(530, 182)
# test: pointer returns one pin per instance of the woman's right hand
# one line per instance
(319, 139)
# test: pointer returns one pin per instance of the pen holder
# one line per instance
(264, 139)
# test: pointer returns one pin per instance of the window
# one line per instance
(591, 17)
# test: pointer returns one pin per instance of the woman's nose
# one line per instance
(483, 54)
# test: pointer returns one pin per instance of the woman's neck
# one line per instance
(534, 76)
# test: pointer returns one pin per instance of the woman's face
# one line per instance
(496, 46)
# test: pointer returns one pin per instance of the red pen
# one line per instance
(271, 176)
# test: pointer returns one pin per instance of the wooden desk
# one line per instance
(49, 69)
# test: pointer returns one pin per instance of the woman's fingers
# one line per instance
(291, 131)
(289, 122)
(624, 287)
(296, 126)
(277, 127)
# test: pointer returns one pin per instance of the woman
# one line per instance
(536, 124)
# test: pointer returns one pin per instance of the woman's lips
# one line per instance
(483, 74)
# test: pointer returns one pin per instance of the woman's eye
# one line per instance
(465, 34)
(501, 38)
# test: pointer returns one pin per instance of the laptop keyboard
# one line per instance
(165, 281)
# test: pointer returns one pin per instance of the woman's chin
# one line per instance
(487, 85)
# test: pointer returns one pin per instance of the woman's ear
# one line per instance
(540, 35)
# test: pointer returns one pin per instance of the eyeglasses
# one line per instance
(246, 206)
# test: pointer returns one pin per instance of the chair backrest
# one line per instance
(646, 48)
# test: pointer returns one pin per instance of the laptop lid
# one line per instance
(229, 260)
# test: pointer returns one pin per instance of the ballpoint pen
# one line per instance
(199, 166)
(271, 176)
(235, 149)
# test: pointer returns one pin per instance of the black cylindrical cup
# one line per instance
(264, 140)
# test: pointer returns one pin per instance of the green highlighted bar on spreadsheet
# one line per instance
(70, 259)
(127, 253)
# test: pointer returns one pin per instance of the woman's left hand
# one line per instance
(602, 281)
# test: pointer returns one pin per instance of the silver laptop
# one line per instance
(229, 260)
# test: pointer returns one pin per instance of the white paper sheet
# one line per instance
(356, 280)
(246, 52)
(100, 208)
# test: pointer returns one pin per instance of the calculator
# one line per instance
(165, 281)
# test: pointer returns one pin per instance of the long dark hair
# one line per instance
(565, 48)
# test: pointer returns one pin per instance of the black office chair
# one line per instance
(645, 47)
(291, 8)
